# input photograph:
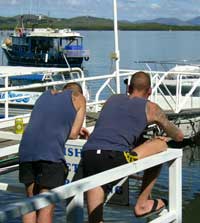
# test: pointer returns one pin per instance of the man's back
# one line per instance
(120, 123)
(50, 124)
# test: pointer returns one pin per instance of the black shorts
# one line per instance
(95, 162)
(47, 175)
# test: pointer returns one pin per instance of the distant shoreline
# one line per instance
(87, 23)
(121, 30)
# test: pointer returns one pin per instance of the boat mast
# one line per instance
(117, 53)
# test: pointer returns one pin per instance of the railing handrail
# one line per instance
(175, 103)
(20, 71)
(77, 188)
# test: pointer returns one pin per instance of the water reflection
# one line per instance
(191, 210)
(191, 183)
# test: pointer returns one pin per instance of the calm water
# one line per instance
(134, 46)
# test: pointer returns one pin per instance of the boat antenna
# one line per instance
(22, 23)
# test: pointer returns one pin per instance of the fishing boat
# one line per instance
(45, 47)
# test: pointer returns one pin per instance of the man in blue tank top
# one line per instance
(56, 117)
(114, 142)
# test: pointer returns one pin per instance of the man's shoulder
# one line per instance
(152, 110)
(78, 99)
(77, 95)
(152, 105)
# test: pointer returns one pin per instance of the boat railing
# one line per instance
(19, 94)
(170, 94)
(177, 93)
(75, 190)
(173, 90)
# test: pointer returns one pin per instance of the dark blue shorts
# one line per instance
(47, 175)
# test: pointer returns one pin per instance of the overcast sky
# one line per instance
(127, 9)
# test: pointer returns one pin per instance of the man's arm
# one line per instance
(156, 115)
(79, 103)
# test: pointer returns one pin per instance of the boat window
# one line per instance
(14, 82)
(19, 41)
(73, 44)
(45, 45)
(57, 77)
(33, 45)
(71, 75)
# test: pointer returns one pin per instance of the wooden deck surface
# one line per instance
(6, 142)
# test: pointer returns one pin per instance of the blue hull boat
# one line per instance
(45, 48)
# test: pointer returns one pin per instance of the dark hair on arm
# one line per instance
(73, 86)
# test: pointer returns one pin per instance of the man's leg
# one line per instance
(150, 147)
(45, 214)
(30, 217)
(50, 175)
(144, 203)
(95, 201)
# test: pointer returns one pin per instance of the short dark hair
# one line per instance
(73, 86)
(140, 81)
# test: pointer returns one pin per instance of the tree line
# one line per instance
(83, 23)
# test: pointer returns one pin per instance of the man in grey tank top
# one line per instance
(56, 117)
(114, 142)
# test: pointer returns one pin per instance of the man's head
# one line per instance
(74, 87)
(140, 83)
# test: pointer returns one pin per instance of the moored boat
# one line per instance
(45, 47)
(178, 77)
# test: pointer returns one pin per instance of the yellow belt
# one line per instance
(129, 157)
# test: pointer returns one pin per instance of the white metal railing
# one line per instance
(174, 101)
(75, 190)
(182, 74)
(6, 92)
(161, 93)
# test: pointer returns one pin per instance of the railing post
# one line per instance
(175, 188)
(6, 97)
(74, 209)
(178, 91)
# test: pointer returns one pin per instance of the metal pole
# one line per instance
(117, 53)
(175, 188)
(6, 97)
(74, 209)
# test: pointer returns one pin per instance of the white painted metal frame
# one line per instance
(75, 190)
(175, 103)
(117, 52)
(9, 71)
(178, 100)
